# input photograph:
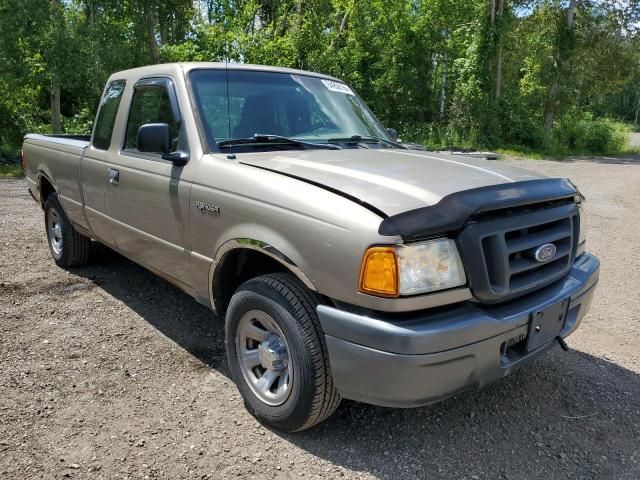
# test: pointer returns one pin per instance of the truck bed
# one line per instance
(56, 158)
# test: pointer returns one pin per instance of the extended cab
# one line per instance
(344, 264)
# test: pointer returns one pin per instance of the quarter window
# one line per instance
(107, 116)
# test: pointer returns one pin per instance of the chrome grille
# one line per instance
(499, 250)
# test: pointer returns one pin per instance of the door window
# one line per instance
(151, 104)
(107, 116)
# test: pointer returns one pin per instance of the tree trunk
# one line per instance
(91, 9)
(551, 105)
(150, 16)
(499, 13)
(563, 52)
(443, 91)
(56, 116)
(343, 24)
(570, 13)
(57, 26)
(164, 32)
(499, 74)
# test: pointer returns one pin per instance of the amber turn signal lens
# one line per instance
(379, 272)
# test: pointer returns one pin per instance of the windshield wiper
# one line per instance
(361, 139)
(275, 139)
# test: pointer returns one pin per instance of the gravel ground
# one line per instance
(109, 372)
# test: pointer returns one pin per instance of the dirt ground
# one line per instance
(109, 372)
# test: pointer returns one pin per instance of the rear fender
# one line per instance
(43, 174)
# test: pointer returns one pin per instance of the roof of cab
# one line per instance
(164, 68)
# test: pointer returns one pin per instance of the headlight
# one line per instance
(582, 237)
(428, 266)
(411, 269)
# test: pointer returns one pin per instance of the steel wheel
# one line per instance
(263, 356)
(276, 353)
(55, 231)
(68, 247)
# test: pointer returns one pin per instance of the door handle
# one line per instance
(114, 176)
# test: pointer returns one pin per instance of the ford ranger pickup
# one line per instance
(345, 264)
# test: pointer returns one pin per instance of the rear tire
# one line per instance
(277, 354)
(68, 247)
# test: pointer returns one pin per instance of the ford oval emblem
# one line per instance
(545, 252)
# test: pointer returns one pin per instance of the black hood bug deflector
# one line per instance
(453, 211)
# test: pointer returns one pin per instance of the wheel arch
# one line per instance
(239, 259)
(45, 187)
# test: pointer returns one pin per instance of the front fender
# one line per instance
(267, 249)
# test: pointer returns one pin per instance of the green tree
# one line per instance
(531, 73)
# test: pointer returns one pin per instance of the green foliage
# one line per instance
(10, 171)
(80, 124)
(444, 73)
(10, 161)
(582, 133)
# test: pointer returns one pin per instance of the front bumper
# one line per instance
(426, 357)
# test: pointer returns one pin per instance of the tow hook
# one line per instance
(562, 343)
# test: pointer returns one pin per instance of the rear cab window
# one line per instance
(107, 115)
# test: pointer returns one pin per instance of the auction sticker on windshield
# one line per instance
(338, 87)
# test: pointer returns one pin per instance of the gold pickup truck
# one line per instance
(345, 264)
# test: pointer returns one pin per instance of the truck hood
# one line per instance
(392, 181)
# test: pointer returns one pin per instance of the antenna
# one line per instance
(226, 71)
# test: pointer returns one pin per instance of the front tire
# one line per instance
(277, 355)
(68, 247)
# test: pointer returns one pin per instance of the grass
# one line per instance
(632, 151)
(542, 155)
(526, 153)
(10, 171)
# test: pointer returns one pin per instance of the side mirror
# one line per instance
(156, 138)
(393, 134)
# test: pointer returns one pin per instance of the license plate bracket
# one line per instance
(546, 324)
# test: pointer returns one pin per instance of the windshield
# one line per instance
(299, 107)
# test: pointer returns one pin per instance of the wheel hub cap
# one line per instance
(55, 231)
(263, 357)
(273, 353)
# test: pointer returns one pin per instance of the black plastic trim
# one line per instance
(454, 210)
(160, 82)
(364, 204)
(492, 284)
